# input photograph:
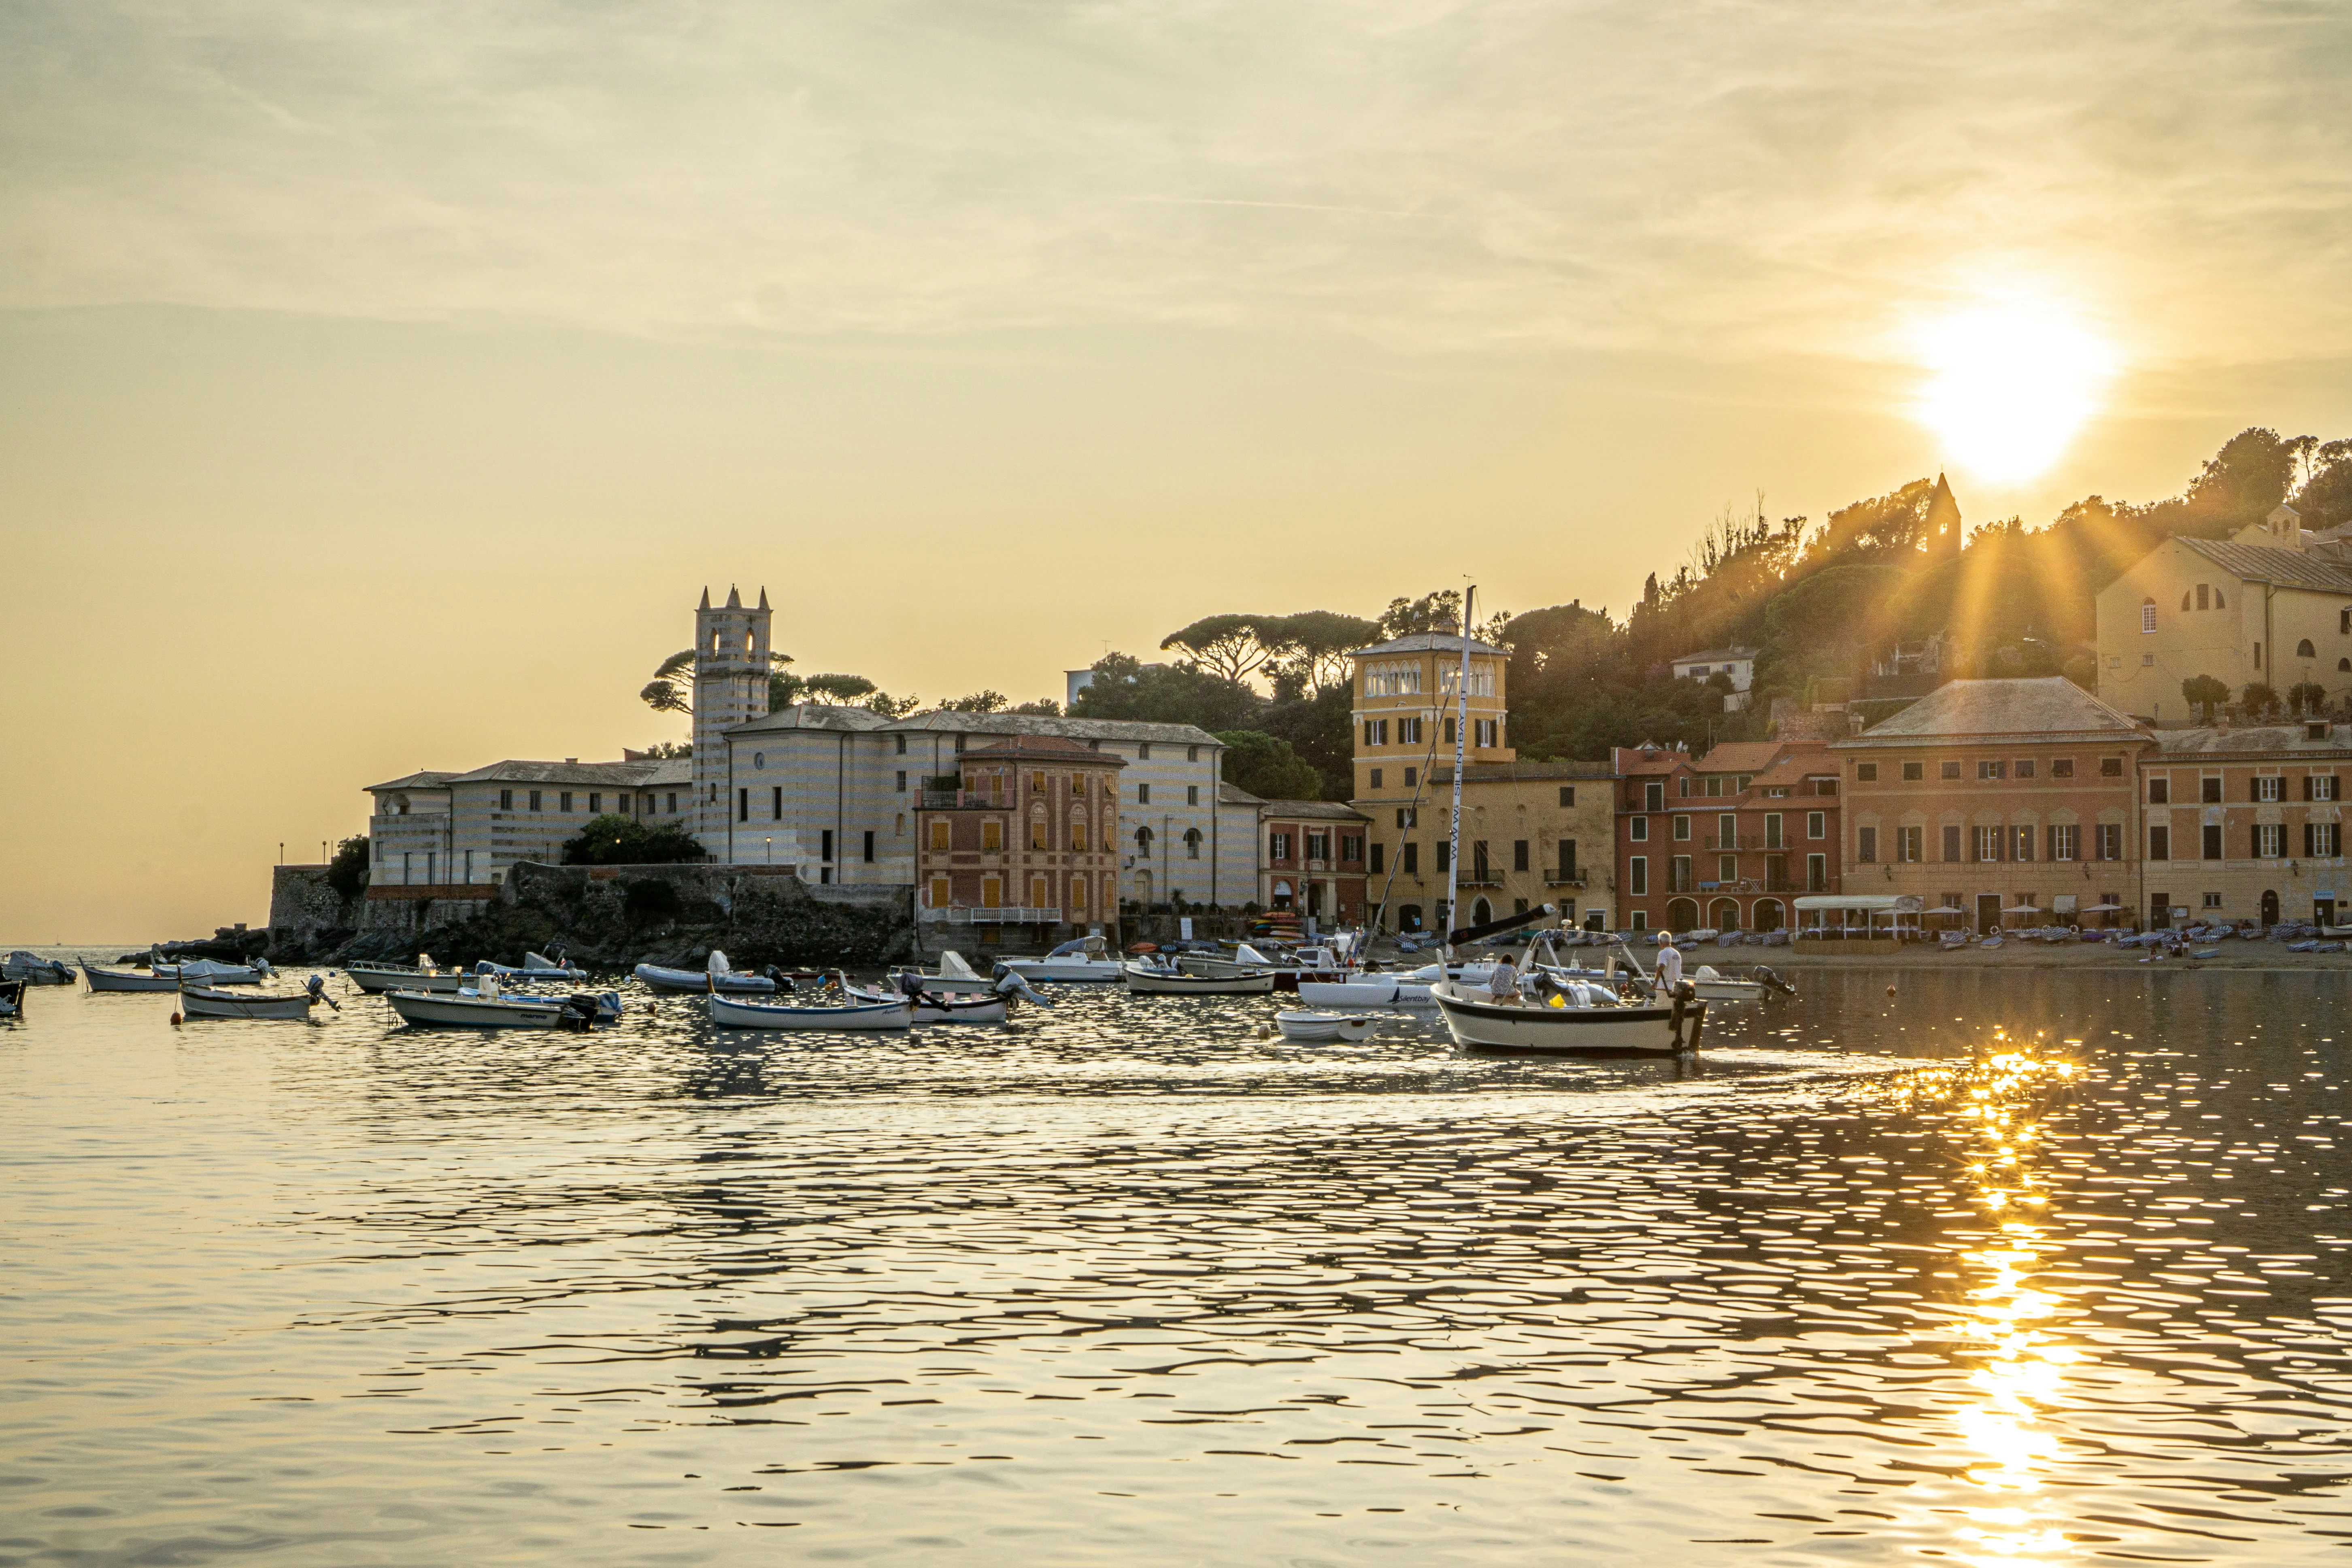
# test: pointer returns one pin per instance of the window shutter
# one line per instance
(2306, 794)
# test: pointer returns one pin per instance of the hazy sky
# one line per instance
(380, 386)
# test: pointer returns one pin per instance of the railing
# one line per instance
(963, 800)
(1571, 877)
(1004, 914)
(1477, 877)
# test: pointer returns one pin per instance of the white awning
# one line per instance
(1877, 903)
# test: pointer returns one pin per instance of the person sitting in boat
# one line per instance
(1502, 985)
(1670, 963)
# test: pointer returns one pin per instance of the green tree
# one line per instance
(615, 840)
(347, 873)
(2204, 692)
(671, 690)
(2258, 699)
(986, 701)
(1315, 646)
(1267, 767)
(1231, 646)
(2307, 696)
(1166, 694)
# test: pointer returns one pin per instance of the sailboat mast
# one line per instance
(1461, 748)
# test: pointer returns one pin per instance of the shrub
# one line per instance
(615, 840)
(347, 873)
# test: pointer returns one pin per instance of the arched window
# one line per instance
(1191, 844)
(2148, 614)
(2220, 603)
(2345, 664)
(1143, 841)
(2202, 595)
(2304, 650)
(2184, 601)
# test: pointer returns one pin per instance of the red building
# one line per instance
(1025, 835)
(1311, 858)
(1728, 841)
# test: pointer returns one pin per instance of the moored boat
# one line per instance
(489, 1007)
(377, 978)
(1299, 1024)
(955, 978)
(1367, 989)
(102, 979)
(12, 998)
(729, 1012)
(204, 1002)
(1084, 959)
(1157, 980)
(212, 972)
(32, 969)
(716, 975)
(534, 966)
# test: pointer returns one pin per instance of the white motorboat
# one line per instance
(1290, 971)
(34, 970)
(1367, 989)
(204, 1002)
(955, 978)
(211, 972)
(534, 966)
(1297, 1024)
(716, 975)
(422, 976)
(729, 1014)
(1246, 960)
(1572, 1017)
(1089, 958)
(125, 979)
(991, 1006)
(1160, 980)
(489, 1007)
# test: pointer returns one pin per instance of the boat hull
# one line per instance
(729, 983)
(1082, 970)
(1372, 992)
(729, 1014)
(126, 980)
(947, 984)
(197, 1002)
(1325, 1026)
(454, 1011)
(375, 982)
(1571, 1031)
(1159, 983)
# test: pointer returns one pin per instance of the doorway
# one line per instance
(2159, 911)
(1682, 915)
(1988, 914)
(1725, 915)
(2269, 907)
(1481, 913)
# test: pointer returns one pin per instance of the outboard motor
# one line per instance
(579, 1011)
(1773, 982)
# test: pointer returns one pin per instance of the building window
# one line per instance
(2258, 656)
(2061, 767)
(1409, 858)
(1144, 842)
(1988, 770)
(1817, 824)
(1654, 795)
(2064, 841)
(1727, 831)
(1817, 874)
(939, 830)
(1637, 828)
(1907, 844)
(1408, 731)
(506, 800)
(902, 780)
(1681, 828)
(1392, 680)
(1482, 732)
(2323, 840)
(1380, 857)
(2319, 786)
(902, 745)
(1319, 846)
(2111, 840)
(1567, 795)
(1192, 794)
(1947, 770)
(1914, 772)
(2111, 767)
(2147, 615)
(940, 894)
(2025, 767)
(2159, 842)
(991, 839)
(1864, 772)
(1866, 845)
(2023, 840)
(1143, 751)
(1952, 845)
(1078, 893)
(1352, 848)
(1040, 834)
(534, 800)
(1771, 830)
(2209, 789)
(2267, 787)
(1191, 844)
(1727, 870)
(1444, 857)
(1191, 753)
(1568, 860)
(595, 805)
(2304, 650)
(2160, 789)
(1987, 845)
(2213, 845)
(1519, 854)
(1640, 869)
(2269, 840)
(1143, 794)
(1078, 836)
(775, 803)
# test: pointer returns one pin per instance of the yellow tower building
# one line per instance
(1405, 709)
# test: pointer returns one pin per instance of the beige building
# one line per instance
(2247, 824)
(1532, 832)
(2273, 604)
(1406, 703)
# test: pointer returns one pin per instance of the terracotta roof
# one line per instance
(1053, 748)
(2264, 563)
(1629, 762)
(1427, 642)
(2051, 707)
(1741, 757)
(942, 719)
(2258, 741)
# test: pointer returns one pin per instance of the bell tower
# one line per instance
(730, 686)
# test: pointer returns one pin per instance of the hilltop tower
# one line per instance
(1945, 531)
(730, 686)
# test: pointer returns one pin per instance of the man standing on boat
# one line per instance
(1670, 963)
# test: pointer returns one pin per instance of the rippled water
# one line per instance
(2041, 1267)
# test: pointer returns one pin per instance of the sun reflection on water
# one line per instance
(1994, 1103)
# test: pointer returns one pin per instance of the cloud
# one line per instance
(1719, 178)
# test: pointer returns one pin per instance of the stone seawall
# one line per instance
(623, 915)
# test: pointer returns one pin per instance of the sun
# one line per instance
(2009, 385)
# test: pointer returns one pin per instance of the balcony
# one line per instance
(1572, 877)
(1004, 914)
(1479, 877)
(964, 800)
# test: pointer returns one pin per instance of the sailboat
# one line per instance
(1543, 1015)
